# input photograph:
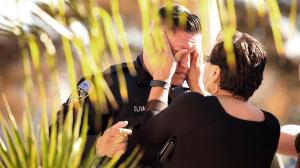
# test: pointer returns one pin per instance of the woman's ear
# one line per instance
(215, 73)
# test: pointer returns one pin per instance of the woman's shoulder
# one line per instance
(195, 95)
(271, 124)
(271, 118)
(193, 100)
(192, 97)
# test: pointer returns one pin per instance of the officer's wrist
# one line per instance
(162, 77)
(160, 83)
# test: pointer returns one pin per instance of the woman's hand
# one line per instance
(194, 73)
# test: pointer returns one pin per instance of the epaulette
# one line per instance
(113, 69)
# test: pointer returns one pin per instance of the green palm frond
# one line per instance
(30, 145)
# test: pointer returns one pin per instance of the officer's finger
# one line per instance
(180, 54)
(103, 146)
(120, 149)
(100, 151)
(120, 124)
(120, 139)
(185, 60)
(119, 153)
(121, 146)
(125, 131)
(167, 47)
(153, 42)
(115, 128)
(111, 132)
(110, 153)
(114, 132)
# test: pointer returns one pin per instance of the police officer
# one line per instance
(180, 43)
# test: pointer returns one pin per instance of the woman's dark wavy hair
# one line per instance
(250, 56)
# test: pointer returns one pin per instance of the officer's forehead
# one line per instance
(185, 40)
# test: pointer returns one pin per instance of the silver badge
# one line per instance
(82, 90)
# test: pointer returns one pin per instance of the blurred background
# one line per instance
(279, 93)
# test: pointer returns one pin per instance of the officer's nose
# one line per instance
(184, 62)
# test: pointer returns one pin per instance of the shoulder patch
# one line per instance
(83, 90)
(85, 85)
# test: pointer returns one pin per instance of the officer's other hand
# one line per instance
(113, 142)
(194, 73)
(168, 61)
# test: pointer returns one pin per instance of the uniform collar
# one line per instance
(143, 76)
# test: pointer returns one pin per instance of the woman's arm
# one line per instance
(162, 71)
(287, 141)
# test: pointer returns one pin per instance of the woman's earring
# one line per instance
(212, 87)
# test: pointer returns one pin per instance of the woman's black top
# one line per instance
(206, 136)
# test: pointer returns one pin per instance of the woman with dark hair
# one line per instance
(221, 130)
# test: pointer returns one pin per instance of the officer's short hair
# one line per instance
(179, 17)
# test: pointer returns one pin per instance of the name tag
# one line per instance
(139, 108)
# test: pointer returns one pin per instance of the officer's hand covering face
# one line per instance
(179, 40)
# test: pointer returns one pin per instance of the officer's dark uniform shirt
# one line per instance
(132, 111)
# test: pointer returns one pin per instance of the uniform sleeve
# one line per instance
(97, 120)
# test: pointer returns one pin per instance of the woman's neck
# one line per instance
(226, 94)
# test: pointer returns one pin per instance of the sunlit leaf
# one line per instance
(293, 15)
(137, 159)
(59, 28)
(112, 162)
(121, 30)
(251, 14)
(28, 83)
(130, 158)
(79, 144)
(261, 8)
(114, 51)
(210, 25)
(53, 140)
(4, 155)
(228, 21)
(12, 151)
(275, 18)
(15, 134)
(34, 52)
